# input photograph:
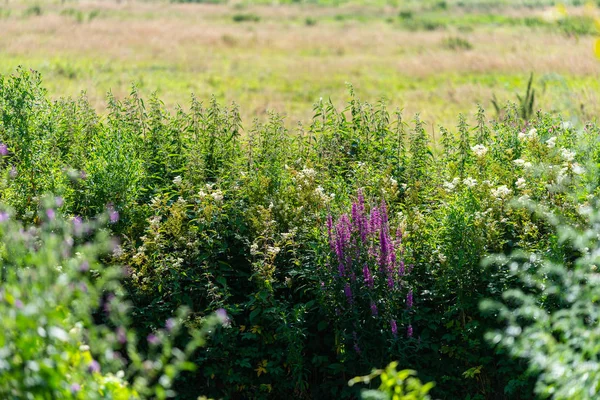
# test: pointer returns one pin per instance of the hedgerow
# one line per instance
(350, 242)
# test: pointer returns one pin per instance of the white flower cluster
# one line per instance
(521, 183)
(532, 134)
(519, 162)
(551, 143)
(470, 182)
(479, 150)
(450, 186)
(568, 155)
(501, 192)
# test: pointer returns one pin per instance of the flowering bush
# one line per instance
(364, 286)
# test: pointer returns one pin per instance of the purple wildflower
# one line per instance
(50, 214)
(4, 216)
(18, 303)
(58, 201)
(409, 299)
(409, 331)
(76, 387)
(394, 327)
(170, 324)
(121, 335)
(374, 310)
(368, 277)
(153, 339)
(94, 367)
(3, 150)
(222, 316)
(84, 266)
(113, 215)
(401, 270)
(348, 293)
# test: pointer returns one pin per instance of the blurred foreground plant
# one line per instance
(65, 320)
(553, 320)
(395, 385)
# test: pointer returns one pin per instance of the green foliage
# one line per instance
(215, 216)
(246, 18)
(551, 319)
(395, 385)
(456, 43)
(525, 102)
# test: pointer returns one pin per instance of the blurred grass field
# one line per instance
(437, 58)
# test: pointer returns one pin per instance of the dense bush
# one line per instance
(212, 216)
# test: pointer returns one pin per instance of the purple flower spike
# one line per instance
(4, 216)
(113, 215)
(394, 327)
(223, 317)
(170, 324)
(121, 335)
(94, 367)
(348, 293)
(374, 310)
(76, 387)
(153, 339)
(50, 214)
(3, 150)
(84, 267)
(368, 277)
(409, 299)
(409, 331)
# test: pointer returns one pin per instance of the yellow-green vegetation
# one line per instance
(437, 58)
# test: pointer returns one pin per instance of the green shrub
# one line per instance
(395, 385)
(456, 43)
(246, 18)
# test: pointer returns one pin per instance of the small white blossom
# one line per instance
(527, 165)
(470, 182)
(217, 196)
(501, 192)
(519, 162)
(551, 143)
(578, 169)
(479, 150)
(528, 135)
(566, 125)
(521, 184)
(568, 155)
(273, 250)
(177, 180)
(450, 186)
(254, 249)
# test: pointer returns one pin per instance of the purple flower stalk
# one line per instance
(409, 299)
(153, 339)
(368, 277)
(3, 150)
(348, 293)
(374, 310)
(94, 367)
(394, 327)
(409, 331)
(50, 214)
